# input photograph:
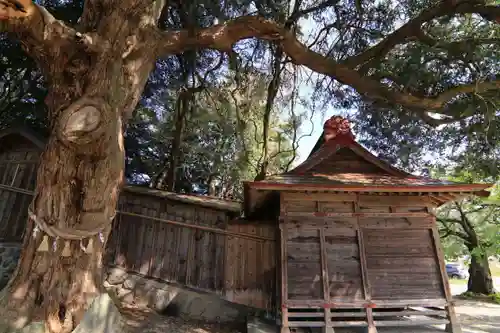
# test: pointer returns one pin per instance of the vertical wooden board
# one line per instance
(219, 253)
(185, 234)
(190, 261)
(303, 262)
(115, 251)
(199, 251)
(239, 265)
(150, 239)
(165, 245)
(231, 260)
(157, 249)
(439, 261)
(131, 256)
(208, 267)
(283, 266)
(344, 268)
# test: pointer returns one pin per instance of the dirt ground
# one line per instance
(476, 317)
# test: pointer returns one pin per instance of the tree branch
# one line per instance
(300, 13)
(412, 29)
(223, 36)
(41, 34)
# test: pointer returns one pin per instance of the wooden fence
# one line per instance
(196, 247)
(187, 245)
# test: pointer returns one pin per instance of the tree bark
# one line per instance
(94, 81)
(183, 104)
(480, 281)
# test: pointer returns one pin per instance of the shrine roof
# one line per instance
(338, 162)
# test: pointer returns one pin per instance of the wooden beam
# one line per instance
(364, 271)
(349, 304)
(285, 327)
(326, 283)
(395, 200)
(385, 215)
(200, 227)
(453, 325)
(318, 196)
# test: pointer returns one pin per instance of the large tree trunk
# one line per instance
(480, 281)
(94, 82)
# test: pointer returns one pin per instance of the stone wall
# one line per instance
(168, 299)
(9, 255)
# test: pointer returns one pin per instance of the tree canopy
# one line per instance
(419, 76)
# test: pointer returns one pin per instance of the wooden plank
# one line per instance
(306, 324)
(320, 222)
(453, 325)
(386, 215)
(363, 266)
(396, 223)
(308, 196)
(395, 200)
(372, 328)
(335, 206)
(440, 262)
(199, 227)
(284, 275)
(404, 323)
(409, 313)
(325, 277)
(378, 303)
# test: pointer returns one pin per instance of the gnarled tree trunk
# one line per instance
(94, 81)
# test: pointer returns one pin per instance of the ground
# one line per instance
(476, 317)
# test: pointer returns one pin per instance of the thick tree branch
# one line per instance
(223, 36)
(42, 35)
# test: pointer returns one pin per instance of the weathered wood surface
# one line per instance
(250, 266)
(401, 263)
(17, 169)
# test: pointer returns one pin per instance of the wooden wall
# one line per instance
(195, 247)
(18, 162)
(372, 248)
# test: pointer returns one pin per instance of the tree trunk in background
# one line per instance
(480, 281)
(175, 150)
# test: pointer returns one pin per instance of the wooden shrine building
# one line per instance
(359, 242)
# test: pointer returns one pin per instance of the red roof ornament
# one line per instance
(337, 126)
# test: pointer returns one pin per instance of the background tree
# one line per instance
(472, 225)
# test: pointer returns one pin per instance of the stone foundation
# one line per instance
(9, 256)
(168, 299)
